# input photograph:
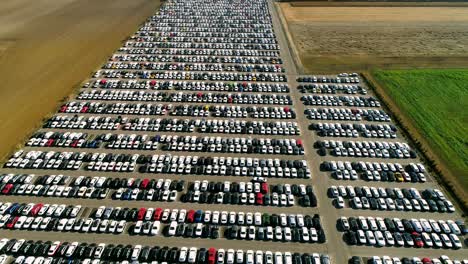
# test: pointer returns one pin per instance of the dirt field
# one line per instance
(357, 37)
(47, 47)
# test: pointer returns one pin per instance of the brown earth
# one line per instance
(47, 47)
(356, 37)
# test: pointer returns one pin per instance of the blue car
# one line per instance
(198, 216)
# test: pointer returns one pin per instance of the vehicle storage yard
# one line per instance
(198, 142)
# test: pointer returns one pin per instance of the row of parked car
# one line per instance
(58, 139)
(200, 52)
(192, 97)
(222, 218)
(193, 67)
(405, 260)
(208, 45)
(97, 188)
(167, 142)
(347, 114)
(18, 178)
(354, 130)
(91, 107)
(365, 197)
(332, 88)
(227, 166)
(375, 171)
(235, 198)
(125, 85)
(402, 225)
(54, 191)
(39, 209)
(129, 194)
(404, 239)
(341, 78)
(343, 100)
(282, 234)
(29, 252)
(184, 75)
(173, 125)
(161, 164)
(83, 225)
(66, 160)
(367, 149)
(201, 59)
(132, 183)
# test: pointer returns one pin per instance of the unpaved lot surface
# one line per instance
(47, 47)
(361, 37)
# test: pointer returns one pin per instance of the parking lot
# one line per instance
(198, 142)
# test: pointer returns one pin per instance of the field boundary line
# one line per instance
(335, 3)
(443, 175)
(292, 46)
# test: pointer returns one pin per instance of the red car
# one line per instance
(12, 222)
(49, 143)
(299, 142)
(417, 240)
(7, 188)
(144, 183)
(141, 213)
(259, 198)
(191, 216)
(74, 143)
(264, 187)
(157, 214)
(36, 208)
(427, 261)
(211, 256)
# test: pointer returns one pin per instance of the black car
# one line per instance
(232, 232)
(144, 254)
(189, 230)
(350, 237)
(173, 252)
(353, 224)
(214, 232)
(163, 254)
(153, 256)
(355, 260)
(180, 230)
(261, 233)
(201, 256)
(297, 258)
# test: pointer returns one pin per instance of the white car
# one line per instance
(172, 228)
(183, 254)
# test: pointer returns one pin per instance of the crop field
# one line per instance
(47, 47)
(436, 102)
(330, 37)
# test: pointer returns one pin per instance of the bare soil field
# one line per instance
(355, 36)
(47, 47)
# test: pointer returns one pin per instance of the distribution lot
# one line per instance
(387, 37)
(196, 143)
(33, 81)
(327, 91)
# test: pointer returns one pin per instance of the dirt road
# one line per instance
(47, 47)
